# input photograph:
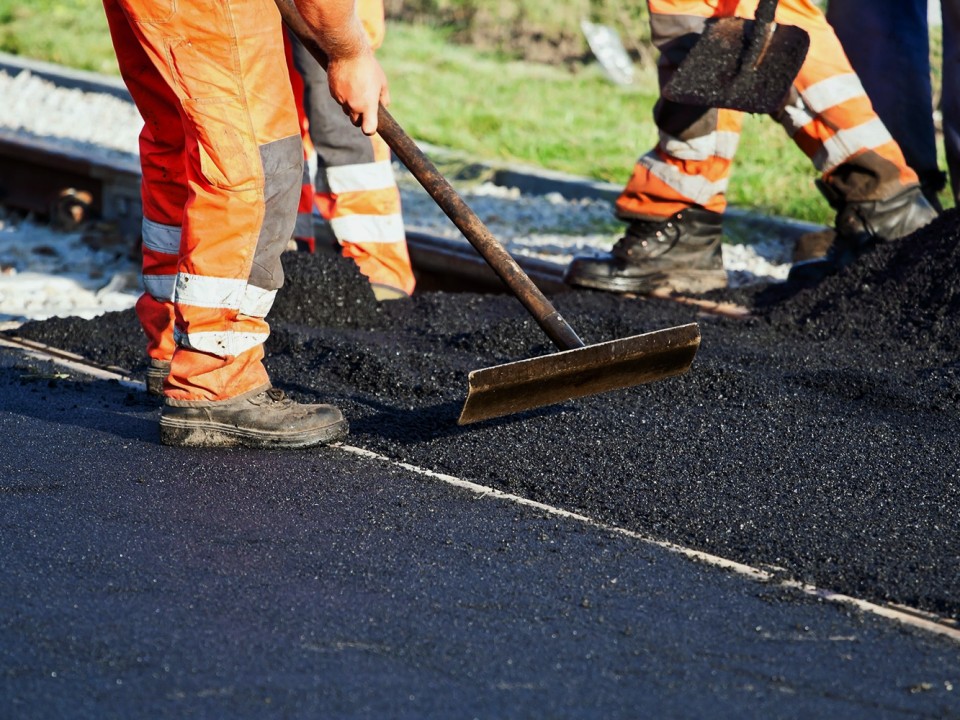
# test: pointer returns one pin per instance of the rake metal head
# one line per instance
(536, 382)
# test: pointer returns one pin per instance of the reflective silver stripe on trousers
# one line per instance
(221, 343)
(692, 187)
(226, 293)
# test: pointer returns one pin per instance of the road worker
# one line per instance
(354, 188)
(222, 161)
(674, 201)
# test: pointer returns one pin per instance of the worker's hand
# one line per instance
(359, 84)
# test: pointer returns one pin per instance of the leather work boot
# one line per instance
(859, 227)
(268, 419)
(155, 376)
(681, 253)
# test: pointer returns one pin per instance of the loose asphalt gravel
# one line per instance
(819, 436)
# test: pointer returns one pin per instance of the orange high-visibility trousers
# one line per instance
(354, 188)
(222, 159)
(827, 114)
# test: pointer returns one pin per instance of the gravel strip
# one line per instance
(547, 226)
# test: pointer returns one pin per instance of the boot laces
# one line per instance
(273, 396)
(648, 238)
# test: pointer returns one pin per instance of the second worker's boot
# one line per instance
(680, 253)
(156, 375)
(860, 226)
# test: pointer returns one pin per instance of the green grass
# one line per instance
(68, 32)
(575, 122)
(484, 105)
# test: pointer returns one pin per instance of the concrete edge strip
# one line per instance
(73, 362)
(901, 614)
(528, 179)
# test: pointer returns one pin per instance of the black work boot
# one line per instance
(155, 376)
(264, 419)
(860, 226)
(681, 253)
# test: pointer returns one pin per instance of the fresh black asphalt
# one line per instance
(144, 581)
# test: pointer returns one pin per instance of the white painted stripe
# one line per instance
(209, 292)
(832, 92)
(899, 613)
(161, 238)
(847, 143)
(716, 144)
(160, 287)
(369, 228)
(221, 344)
(906, 616)
(362, 176)
(257, 301)
(693, 187)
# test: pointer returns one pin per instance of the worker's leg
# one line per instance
(223, 61)
(950, 102)
(887, 43)
(690, 165)
(674, 200)
(244, 162)
(830, 117)
(356, 191)
(865, 176)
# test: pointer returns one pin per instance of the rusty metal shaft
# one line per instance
(473, 229)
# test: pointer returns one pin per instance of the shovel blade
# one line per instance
(536, 382)
(713, 73)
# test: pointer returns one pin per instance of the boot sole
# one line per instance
(181, 433)
(694, 282)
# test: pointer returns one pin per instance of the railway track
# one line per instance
(72, 186)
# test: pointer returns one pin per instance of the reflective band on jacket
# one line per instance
(369, 228)
(161, 238)
(695, 187)
(222, 343)
(226, 293)
(362, 176)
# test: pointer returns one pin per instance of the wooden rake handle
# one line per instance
(492, 251)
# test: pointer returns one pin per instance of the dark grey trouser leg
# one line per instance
(887, 42)
(336, 139)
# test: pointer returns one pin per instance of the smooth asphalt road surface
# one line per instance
(140, 581)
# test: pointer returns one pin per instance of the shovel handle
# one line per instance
(762, 30)
(477, 233)
(766, 9)
(492, 251)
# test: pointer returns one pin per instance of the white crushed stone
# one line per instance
(68, 278)
(45, 273)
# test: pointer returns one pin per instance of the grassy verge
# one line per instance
(576, 122)
(569, 119)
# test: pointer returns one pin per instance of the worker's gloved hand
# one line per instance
(359, 84)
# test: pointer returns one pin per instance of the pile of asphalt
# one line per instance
(819, 436)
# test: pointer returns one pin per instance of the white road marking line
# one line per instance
(906, 616)
(899, 613)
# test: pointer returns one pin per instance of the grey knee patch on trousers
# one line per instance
(282, 172)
